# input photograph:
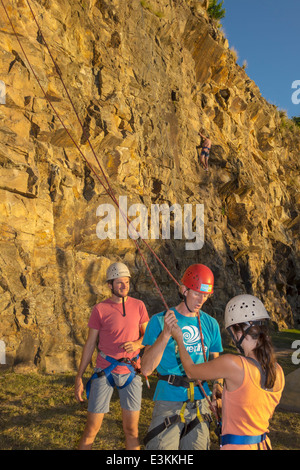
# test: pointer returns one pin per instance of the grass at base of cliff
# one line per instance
(39, 412)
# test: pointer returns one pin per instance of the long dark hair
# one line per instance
(263, 351)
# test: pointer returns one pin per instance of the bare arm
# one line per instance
(131, 346)
(153, 354)
(217, 384)
(86, 357)
(228, 366)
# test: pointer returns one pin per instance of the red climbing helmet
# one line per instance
(200, 278)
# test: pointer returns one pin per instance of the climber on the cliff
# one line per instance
(117, 324)
(181, 415)
(205, 149)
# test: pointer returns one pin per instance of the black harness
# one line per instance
(180, 381)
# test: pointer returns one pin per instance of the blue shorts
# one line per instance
(101, 393)
(205, 153)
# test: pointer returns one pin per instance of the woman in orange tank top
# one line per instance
(253, 383)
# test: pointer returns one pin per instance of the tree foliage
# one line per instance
(296, 120)
(216, 10)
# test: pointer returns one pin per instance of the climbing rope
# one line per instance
(109, 189)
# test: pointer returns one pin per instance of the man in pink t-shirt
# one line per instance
(117, 326)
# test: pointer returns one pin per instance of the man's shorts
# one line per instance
(169, 439)
(205, 153)
(101, 393)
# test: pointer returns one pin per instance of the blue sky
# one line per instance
(266, 34)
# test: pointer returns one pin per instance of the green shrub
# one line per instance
(216, 10)
(296, 120)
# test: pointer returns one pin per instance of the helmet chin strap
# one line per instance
(121, 297)
(238, 343)
(185, 301)
(123, 305)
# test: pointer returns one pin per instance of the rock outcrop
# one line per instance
(144, 77)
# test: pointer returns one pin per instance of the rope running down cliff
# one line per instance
(108, 190)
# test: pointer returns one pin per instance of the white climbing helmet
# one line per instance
(244, 308)
(117, 270)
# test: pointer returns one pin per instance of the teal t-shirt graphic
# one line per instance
(170, 362)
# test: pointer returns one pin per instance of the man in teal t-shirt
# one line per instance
(181, 414)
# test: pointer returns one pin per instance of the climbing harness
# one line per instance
(131, 364)
(96, 375)
(115, 363)
(179, 381)
(200, 384)
(242, 440)
(107, 372)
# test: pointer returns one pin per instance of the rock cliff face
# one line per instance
(144, 77)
